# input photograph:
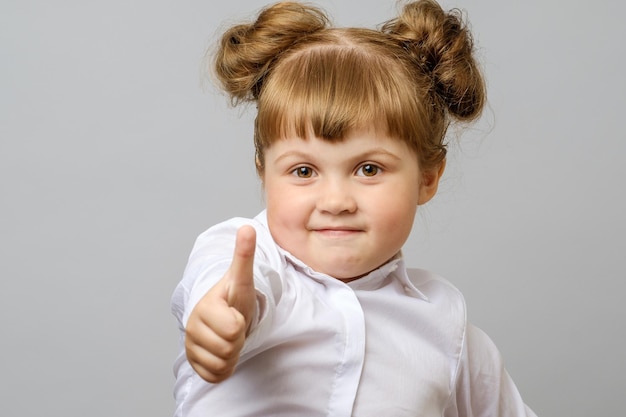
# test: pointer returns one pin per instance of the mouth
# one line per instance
(337, 231)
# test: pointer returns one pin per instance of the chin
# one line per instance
(342, 273)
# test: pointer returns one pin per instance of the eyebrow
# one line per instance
(288, 154)
(363, 155)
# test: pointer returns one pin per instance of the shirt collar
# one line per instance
(396, 269)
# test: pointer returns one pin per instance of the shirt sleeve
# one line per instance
(483, 386)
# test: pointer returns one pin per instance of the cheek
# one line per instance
(286, 214)
(397, 218)
(397, 205)
(280, 204)
(394, 219)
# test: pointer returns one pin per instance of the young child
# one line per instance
(308, 309)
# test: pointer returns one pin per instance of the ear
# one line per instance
(429, 182)
(260, 169)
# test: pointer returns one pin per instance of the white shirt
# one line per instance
(393, 343)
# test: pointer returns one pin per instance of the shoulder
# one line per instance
(445, 306)
(436, 288)
(482, 384)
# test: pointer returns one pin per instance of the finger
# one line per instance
(214, 315)
(241, 292)
(243, 257)
(221, 335)
(210, 367)
(210, 355)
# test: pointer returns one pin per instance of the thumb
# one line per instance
(241, 292)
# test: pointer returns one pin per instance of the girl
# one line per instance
(308, 309)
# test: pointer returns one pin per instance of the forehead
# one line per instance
(358, 143)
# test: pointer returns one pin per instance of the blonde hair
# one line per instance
(410, 76)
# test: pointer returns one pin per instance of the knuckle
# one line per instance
(189, 346)
(233, 331)
(227, 351)
(222, 369)
(215, 378)
(215, 372)
(209, 376)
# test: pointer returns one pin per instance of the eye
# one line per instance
(368, 170)
(303, 172)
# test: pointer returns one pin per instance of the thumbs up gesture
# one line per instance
(216, 329)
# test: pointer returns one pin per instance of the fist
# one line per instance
(217, 327)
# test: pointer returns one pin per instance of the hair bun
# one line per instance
(246, 51)
(442, 46)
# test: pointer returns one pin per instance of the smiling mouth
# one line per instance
(337, 231)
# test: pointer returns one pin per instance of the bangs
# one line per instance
(331, 89)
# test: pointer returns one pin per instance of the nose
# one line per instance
(336, 197)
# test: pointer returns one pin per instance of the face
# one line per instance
(343, 208)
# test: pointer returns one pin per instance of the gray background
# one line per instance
(113, 157)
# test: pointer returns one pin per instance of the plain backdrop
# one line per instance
(114, 156)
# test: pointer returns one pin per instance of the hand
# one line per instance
(217, 327)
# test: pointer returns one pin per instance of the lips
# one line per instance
(337, 231)
(337, 227)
